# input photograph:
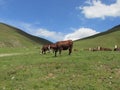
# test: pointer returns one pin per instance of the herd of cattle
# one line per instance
(116, 48)
(68, 45)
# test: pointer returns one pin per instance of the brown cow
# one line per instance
(63, 45)
(53, 47)
(100, 49)
(103, 49)
(48, 47)
(45, 48)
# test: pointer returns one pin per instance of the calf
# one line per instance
(45, 48)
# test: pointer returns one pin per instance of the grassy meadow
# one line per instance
(82, 70)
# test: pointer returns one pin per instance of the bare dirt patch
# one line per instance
(9, 54)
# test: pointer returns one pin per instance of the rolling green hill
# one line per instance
(108, 38)
(13, 37)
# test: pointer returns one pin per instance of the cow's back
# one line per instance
(64, 43)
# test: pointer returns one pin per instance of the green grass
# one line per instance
(82, 70)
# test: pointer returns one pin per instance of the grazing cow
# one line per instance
(94, 49)
(89, 49)
(103, 49)
(53, 47)
(45, 48)
(116, 48)
(64, 45)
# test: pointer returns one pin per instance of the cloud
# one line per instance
(55, 36)
(58, 36)
(80, 33)
(97, 9)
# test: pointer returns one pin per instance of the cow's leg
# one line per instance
(43, 51)
(70, 50)
(60, 50)
(55, 52)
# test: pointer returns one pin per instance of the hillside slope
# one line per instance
(108, 38)
(13, 37)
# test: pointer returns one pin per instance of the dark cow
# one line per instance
(45, 48)
(116, 48)
(63, 45)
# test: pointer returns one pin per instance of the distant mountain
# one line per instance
(13, 37)
(108, 38)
